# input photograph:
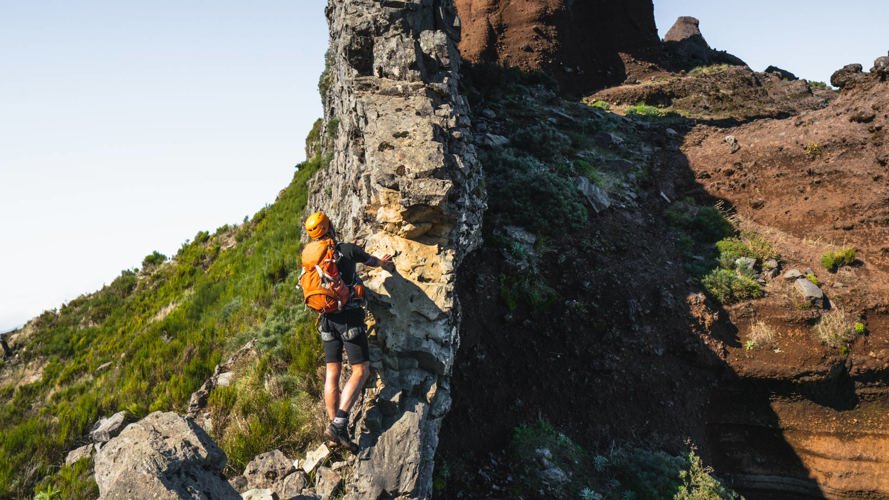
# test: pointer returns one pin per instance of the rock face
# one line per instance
(162, 456)
(107, 428)
(686, 45)
(404, 179)
(577, 42)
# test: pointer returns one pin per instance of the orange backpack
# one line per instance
(323, 286)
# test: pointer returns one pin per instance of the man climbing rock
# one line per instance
(332, 288)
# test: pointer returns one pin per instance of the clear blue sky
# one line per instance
(126, 127)
(810, 38)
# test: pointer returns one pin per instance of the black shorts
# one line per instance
(344, 330)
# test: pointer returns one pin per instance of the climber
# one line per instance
(7, 352)
(343, 329)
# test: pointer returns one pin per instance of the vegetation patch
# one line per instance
(548, 464)
(835, 329)
(526, 290)
(834, 259)
(224, 296)
(728, 286)
(708, 70)
(761, 336)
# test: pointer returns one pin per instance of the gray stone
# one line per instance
(881, 66)
(489, 113)
(771, 264)
(267, 470)
(733, 143)
(85, 451)
(327, 483)
(293, 485)
(225, 379)
(793, 274)
(495, 140)
(259, 494)
(239, 483)
(163, 456)
(107, 428)
(596, 196)
(103, 367)
(810, 291)
(315, 457)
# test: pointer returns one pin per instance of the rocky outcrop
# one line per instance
(579, 43)
(405, 180)
(686, 46)
(162, 456)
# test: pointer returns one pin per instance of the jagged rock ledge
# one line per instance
(404, 178)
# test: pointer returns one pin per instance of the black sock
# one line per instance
(342, 418)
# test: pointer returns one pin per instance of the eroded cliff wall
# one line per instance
(579, 43)
(404, 180)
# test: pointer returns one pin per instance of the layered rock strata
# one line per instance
(404, 179)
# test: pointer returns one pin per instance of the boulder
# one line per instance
(315, 457)
(327, 483)
(847, 76)
(810, 291)
(684, 28)
(881, 67)
(163, 456)
(733, 143)
(267, 470)
(783, 73)
(79, 453)
(107, 428)
(293, 485)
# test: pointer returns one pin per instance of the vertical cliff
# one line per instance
(405, 180)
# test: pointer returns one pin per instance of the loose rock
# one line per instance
(267, 470)
(107, 428)
(259, 494)
(733, 143)
(315, 457)
(793, 274)
(810, 291)
(596, 196)
(293, 485)
(327, 483)
(79, 453)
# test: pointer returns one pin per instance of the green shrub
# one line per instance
(728, 287)
(860, 329)
(526, 290)
(819, 85)
(515, 183)
(623, 473)
(541, 140)
(702, 224)
(814, 279)
(587, 170)
(598, 103)
(833, 260)
(813, 150)
(153, 259)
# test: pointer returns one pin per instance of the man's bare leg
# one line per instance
(353, 386)
(332, 389)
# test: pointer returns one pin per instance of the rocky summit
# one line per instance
(625, 267)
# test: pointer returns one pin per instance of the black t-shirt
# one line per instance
(351, 254)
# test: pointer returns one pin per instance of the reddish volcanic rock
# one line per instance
(581, 44)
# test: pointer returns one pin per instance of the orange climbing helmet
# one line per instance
(317, 225)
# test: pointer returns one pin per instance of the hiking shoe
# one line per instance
(340, 437)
